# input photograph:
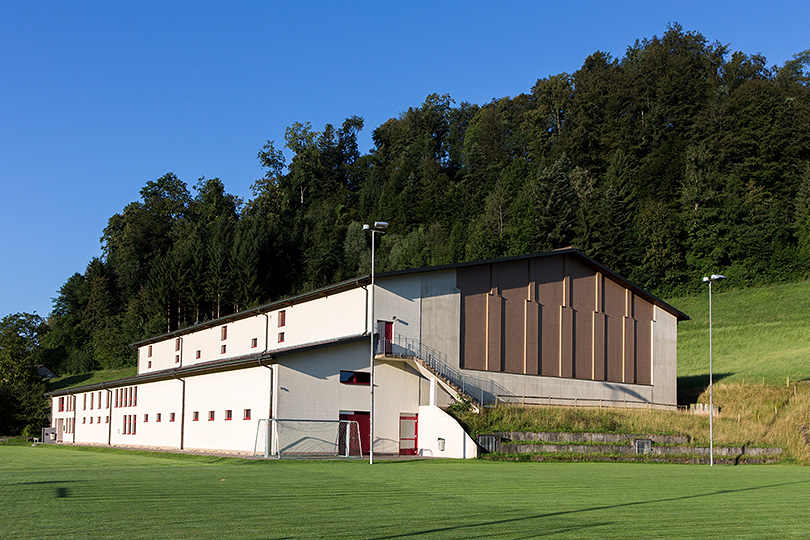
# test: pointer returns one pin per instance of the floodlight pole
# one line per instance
(710, 280)
(378, 227)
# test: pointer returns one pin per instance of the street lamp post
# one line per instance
(710, 280)
(378, 227)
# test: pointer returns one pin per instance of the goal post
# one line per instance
(307, 438)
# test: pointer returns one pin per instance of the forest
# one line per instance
(678, 159)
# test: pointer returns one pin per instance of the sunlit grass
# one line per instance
(69, 493)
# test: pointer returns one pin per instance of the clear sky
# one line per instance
(97, 98)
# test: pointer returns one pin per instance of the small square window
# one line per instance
(222, 349)
(229, 414)
(210, 416)
(254, 343)
(281, 337)
(195, 416)
(246, 415)
(171, 417)
(157, 417)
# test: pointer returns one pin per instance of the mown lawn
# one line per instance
(65, 492)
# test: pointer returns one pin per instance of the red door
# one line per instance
(362, 419)
(407, 434)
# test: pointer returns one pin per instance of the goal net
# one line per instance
(307, 438)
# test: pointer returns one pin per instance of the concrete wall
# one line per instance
(665, 361)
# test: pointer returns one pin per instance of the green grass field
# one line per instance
(50, 492)
(760, 335)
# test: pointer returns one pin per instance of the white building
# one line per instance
(548, 328)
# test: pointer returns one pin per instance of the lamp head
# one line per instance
(380, 225)
(705, 278)
(717, 277)
(366, 227)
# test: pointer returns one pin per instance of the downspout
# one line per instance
(182, 409)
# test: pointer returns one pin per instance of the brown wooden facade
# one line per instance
(556, 315)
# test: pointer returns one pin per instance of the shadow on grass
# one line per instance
(591, 509)
(67, 382)
(690, 388)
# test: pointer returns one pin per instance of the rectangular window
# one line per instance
(177, 344)
(223, 333)
(135, 396)
(149, 352)
(106, 419)
(149, 364)
(176, 358)
(84, 420)
(222, 349)
(157, 417)
(210, 416)
(281, 337)
(91, 419)
(61, 404)
(116, 398)
(195, 416)
(282, 318)
(199, 354)
(171, 417)
(355, 377)
(99, 419)
(229, 414)
(134, 423)
(91, 402)
(84, 402)
(254, 343)
(108, 398)
(145, 418)
(246, 415)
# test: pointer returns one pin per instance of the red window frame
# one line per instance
(246, 415)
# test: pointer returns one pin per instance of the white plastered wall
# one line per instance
(321, 319)
(309, 387)
(236, 391)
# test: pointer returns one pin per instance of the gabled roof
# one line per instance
(363, 281)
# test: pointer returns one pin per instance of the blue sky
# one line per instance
(97, 98)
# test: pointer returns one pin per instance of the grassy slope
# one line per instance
(93, 377)
(761, 363)
(63, 492)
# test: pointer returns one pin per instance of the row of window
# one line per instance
(130, 424)
(246, 415)
(67, 403)
(126, 397)
(84, 419)
(254, 342)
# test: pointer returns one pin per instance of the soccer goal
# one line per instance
(307, 438)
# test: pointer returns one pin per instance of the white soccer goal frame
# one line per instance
(271, 438)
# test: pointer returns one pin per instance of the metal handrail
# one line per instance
(480, 390)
